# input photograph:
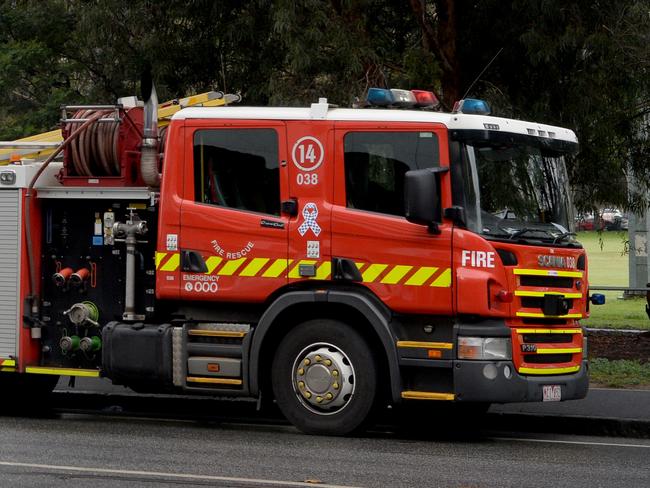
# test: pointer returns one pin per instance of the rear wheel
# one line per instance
(324, 378)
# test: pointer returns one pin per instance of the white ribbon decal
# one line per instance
(309, 213)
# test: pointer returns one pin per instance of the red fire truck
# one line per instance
(331, 259)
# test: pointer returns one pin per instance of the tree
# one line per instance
(581, 64)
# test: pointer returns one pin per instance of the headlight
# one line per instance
(484, 348)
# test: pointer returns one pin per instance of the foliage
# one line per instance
(581, 64)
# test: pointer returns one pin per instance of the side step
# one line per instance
(427, 395)
(210, 356)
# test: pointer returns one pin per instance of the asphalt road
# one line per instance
(110, 451)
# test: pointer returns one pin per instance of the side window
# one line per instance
(237, 168)
(375, 165)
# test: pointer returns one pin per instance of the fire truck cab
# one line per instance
(332, 259)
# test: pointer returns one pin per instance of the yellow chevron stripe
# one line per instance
(159, 257)
(372, 271)
(277, 268)
(323, 272)
(396, 274)
(7, 362)
(212, 262)
(230, 267)
(254, 267)
(570, 369)
(444, 280)
(295, 271)
(421, 275)
(172, 263)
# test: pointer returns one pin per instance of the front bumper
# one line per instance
(476, 381)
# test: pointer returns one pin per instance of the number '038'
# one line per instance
(307, 179)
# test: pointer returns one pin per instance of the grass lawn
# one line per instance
(608, 266)
(619, 374)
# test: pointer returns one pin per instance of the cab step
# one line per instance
(427, 395)
(210, 356)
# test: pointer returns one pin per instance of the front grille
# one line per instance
(547, 338)
(543, 321)
(546, 281)
(547, 358)
(538, 302)
(559, 349)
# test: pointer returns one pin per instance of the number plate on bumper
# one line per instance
(551, 393)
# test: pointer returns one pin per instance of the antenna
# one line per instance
(481, 73)
(223, 75)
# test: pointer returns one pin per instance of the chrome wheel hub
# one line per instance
(323, 378)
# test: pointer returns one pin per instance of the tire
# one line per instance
(324, 378)
(26, 394)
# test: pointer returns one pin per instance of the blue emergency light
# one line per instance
(471, 106)
(380, 97)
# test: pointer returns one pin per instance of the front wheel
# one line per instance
(324, 378)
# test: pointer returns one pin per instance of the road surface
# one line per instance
(72, 449)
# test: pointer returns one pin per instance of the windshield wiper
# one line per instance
(521, 232)
(562, 236)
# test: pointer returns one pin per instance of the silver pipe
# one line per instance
(149, 149)
(129, 231)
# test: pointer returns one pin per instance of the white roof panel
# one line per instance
(451, 121)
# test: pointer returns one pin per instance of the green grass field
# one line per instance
(608, 266)
(619, 374)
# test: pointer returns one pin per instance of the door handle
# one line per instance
(290, 207)
(193, 262)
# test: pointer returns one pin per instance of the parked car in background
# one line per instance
(614, 219)
(608, 219)
(585, 221)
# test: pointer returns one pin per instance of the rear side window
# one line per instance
(375, 165)
(237, 168)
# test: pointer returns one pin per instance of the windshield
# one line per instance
(515, 192)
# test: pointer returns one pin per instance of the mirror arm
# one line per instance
(456, 214)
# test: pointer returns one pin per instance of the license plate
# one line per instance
(551, 393)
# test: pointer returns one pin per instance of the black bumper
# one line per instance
(476, 381)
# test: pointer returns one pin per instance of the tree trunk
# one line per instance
(438, 26)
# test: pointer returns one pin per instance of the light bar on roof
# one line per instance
(472, 106)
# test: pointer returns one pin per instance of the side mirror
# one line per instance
(422, 196)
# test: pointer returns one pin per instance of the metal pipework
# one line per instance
(83, 313)
(149, 148)
(90, 344)
(60, 278)
(79, 277)
(129, 232)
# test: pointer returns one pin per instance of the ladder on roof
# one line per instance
(42, 145)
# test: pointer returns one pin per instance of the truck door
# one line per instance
(403, 263)
(310, 172)
(233, 240)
